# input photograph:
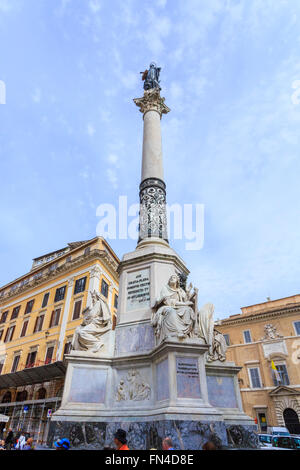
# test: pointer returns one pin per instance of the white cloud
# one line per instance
(95, 5)
(36, 96)
(112, 177)
(90, 129)
(113, 159)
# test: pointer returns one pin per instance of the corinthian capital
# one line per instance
(152, 101)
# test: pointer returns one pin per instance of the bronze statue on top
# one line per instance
(151, 77)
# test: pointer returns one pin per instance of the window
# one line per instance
(39, 323)
(247, 336)
(77, 310)
(69, 258)
(22, 396)
(4, 317)
(49, 354)
(15, 363)
(297, 327)
(1, 334)
(7, 397)
(67, 348)
(9, 334)
(60, 294)
(15, 312)
(2, 360)
(29, 306)
(104, 288)
(45, 300)
(227, 339)
(31, 359)
(282, 378)
(80, 285)
(24, 328)
(41, 394)
(55, 317)
(116, 301)
(87, 251)
(255, 378)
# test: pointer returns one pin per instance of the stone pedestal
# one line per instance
(166, 391)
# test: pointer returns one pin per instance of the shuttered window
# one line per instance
(55, 317)
(29, 306)
(45, 300)
(80, 285)
(9, 334)
(39, 323)
(15, 312)
(104, 288)
(77, 309)
(49, 354)
(15, 363)
(24, 328)
(60, 294)
(4, 317)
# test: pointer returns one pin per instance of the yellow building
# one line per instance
(38, 316)
(265, 340)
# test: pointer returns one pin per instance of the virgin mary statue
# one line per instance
(174, 315)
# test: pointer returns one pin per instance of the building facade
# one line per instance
(261, 337)
(39, 313)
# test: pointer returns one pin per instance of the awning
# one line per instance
(4, 419)
(33, 375)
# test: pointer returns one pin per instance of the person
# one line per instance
(167, 444)
(21, 442)
(62, 444)
(9, 441)
(29, 444)
(2, 445)
(209, 445)
(120, 440)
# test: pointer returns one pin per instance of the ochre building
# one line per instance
(38, 316)
(263, 333)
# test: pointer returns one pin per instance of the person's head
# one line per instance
(29, 441)
(209, 446)
(9, 429)
(120, 438)
(62, 444)
(2, 443)
(167, 443)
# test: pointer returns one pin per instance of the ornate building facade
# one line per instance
(39, 313)
(265, 341)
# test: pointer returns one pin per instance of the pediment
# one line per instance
(283, 390)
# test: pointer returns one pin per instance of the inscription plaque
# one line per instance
(88, 385)
(187, 372)
(138, 289)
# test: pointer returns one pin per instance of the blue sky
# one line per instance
(71, 138)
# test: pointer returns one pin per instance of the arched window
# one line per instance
(6, 397)
(22, 396)
(41, 394)
(291, 420)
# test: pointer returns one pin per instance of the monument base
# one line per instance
(169, 391)
(185, 434)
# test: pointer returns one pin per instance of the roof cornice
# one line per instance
(102, 255)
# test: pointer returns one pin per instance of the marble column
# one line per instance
(153, 220)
